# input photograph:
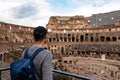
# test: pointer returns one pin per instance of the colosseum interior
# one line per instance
(77, 47)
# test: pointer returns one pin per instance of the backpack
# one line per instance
(23, 69)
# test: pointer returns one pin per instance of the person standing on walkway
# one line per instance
(43, 60)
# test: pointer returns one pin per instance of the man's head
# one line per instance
(40, 33)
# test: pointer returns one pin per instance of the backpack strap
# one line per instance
(35, 53)
(26, 55)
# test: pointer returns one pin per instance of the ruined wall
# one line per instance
(97, 20)
(67, 23)
(90, 43)
(12, 37)
(86, 51)
(95, 68)
(10, 33)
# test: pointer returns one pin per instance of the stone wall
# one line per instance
(11, 33)
(91, 67)
(64, 23)
(81, 43)
(97, 20)
(12, 37)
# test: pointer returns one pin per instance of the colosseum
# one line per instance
(87, 46)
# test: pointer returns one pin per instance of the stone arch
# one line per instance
(102, 38)
(69, 35)
(73, 39)
(107, 38)
(118, 38)
(91, 39)
(114, 39)
(77, 39)
(65, 39)
(50, 40)
(81, 38)
(86, 37)
(62, 50)
(54, 39)
(65, 61)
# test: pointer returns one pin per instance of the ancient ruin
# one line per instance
(82, 49)
(12, 37)
(77, 46)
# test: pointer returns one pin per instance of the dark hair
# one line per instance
(39, 33)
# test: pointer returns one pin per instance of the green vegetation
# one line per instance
(15, 54)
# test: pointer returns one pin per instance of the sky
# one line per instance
(37, 12)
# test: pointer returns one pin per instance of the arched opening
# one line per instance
(62, 50)
(77, 39)
(65, 40)
(73, 39)
(102, 38)
(86, 34)
(83, 52)
(81, 38)
(114, 39)
(61, 39)
(91, 39)
(49, 39)
(65, 61)
(118, 38)
(107, 38)
(54, 39)
(68, 35)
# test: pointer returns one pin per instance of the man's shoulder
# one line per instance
(47, 51)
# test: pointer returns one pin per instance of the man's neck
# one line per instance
(40, 43)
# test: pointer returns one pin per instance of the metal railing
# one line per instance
(3, 69)
(56, 71)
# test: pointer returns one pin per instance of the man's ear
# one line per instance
(45, 37)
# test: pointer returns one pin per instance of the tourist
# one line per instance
(43, 60)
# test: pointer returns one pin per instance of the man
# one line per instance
(43, 60)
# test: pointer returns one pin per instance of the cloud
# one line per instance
(27, 12)
(99, 3)
(38, 12)
(96, 7)
(24, 11)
